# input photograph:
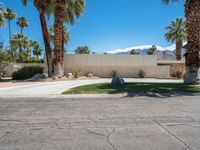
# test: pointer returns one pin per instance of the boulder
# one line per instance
(37, 76)
(90, 75)
(117, 81)
(70, 75)
(45, 75)
(54, 78)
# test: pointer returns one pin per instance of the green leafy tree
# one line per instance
(5, 59)
(133, 52)
(176, 33)
(152, 50)
(22, 22)
(82, 50)
(9, 15)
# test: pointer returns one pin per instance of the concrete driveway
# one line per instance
(132, 123)
(29, 89)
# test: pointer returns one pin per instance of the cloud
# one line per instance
(125, 50)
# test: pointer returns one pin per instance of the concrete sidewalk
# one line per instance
(55, 88)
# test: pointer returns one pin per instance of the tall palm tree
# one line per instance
(2, 17)
(9, 15)
(176, 33)
(192, 15)
(37, 51)
(20, 43)
(41, 8)
(22, 22)
(66, 34)
(63, 11)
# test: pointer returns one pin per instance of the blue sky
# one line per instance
(107, 24)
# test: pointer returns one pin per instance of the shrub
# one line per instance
(77, 74)
(177, 74)
(114, 73)
(26, 72)
(141, 74)
(4, 73)
(33, 60)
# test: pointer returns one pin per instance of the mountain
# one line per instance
(162, 52)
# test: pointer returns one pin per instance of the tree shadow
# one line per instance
(156, 90)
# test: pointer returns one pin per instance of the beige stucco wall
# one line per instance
(124, 71)
(174, 66)
(127, 66)
(109, 60)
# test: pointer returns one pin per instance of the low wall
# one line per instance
(124, 71)
(174, 66)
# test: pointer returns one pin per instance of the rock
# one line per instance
(45, 75)
(37, 76)
(70, 75)
(90, 75)
(54, 78)
(117, 81)
(59, 77)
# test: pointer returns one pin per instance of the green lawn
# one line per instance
(106, 88)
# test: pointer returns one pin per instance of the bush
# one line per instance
(4, 73)
(26, 72)
(177, 74)
(141, 74)
(114, 73)
(77, 74)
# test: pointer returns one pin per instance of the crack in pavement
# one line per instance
(103, 135)
(173, 135)
(95, 133)
(108, 138)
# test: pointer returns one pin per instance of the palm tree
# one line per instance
(9, 15)
(66, 34)
(134, 52)
(152, 50)
(63, 11)
(37, 51)
(2, 17)
(22, 44)
(192, 15)
(176, 33)
(41, 7)
(22, 23)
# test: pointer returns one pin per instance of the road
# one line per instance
(54, 88)
(131, 123)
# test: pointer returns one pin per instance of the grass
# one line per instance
(106, 88)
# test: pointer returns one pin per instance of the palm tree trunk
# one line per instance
(20, 54)
(58, 38)
(47, 45)
(9, 30)
(41, 8)
(192, 12)
(179, 46)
